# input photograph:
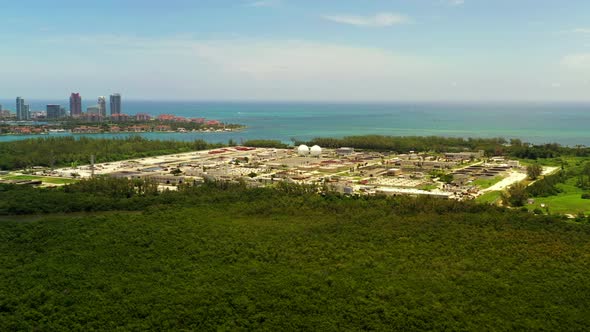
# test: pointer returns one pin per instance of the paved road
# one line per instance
(515, 177)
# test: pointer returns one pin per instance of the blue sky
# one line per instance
(297, 49)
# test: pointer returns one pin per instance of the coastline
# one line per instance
(71, 132)
(537, 123)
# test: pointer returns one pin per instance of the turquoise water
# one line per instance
(564, 123)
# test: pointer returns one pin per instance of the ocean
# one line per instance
(564, 123)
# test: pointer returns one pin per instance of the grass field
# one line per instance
(490, 197)
(428, 187)
(486, 183)
(567, 202)
(554, 162)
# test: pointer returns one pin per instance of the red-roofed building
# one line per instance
(166, 117)
(21, 130)
(162, 128)
(138, 129)
(86, 129)
(218, 151)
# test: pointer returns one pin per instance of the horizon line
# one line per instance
(322, 101)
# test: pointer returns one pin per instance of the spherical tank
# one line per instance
(316, 151)
(303, 150)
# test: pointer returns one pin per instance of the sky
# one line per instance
(297, 50)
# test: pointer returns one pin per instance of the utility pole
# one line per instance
(52, 162)
(91, 165)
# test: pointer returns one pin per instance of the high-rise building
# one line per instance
(27, 112)
(115, 104)
(75, 105)
(20, 109)
(102, 106)
(53, 112)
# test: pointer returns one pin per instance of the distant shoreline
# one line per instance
(70, 132)
(538, 123)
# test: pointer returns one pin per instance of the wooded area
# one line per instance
(62, 151)
(491, 146)
(224, 257)
(106, 253)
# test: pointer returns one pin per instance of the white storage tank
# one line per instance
(316, 151)
(303, 150)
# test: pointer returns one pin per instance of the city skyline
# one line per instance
(52, 108)
(300, 50)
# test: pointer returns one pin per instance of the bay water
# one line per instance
(564, 123)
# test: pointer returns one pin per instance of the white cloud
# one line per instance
(264, 3)
(378, 20)
(578, 30)
(245, 68)
(581, 30)
(576, 61)
(456, 2)
(185, 67)
(294, 59)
